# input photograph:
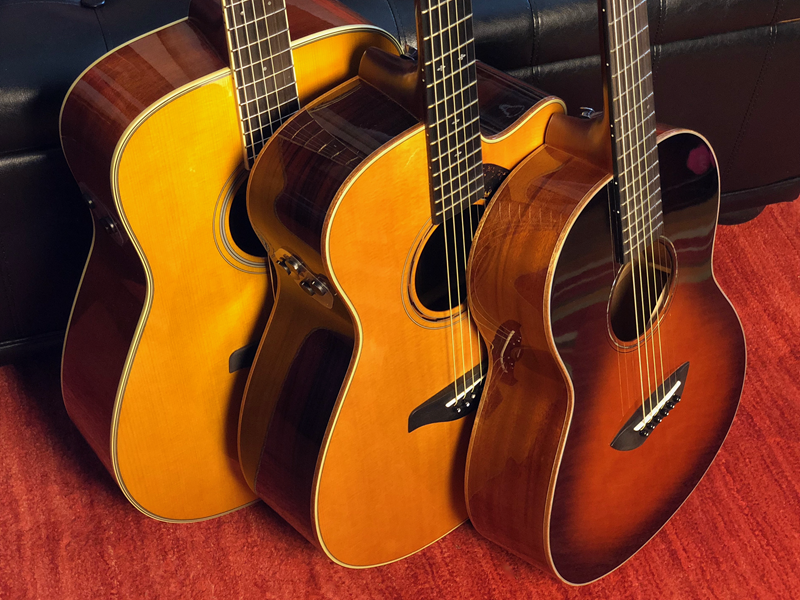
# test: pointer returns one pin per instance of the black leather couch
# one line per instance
(727, 68)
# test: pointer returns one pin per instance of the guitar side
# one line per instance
(542, 478)
(171, 307)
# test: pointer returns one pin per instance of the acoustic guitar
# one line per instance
(356, 418)
(160, 134)
(617, 363)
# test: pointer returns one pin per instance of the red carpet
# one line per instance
(67, 532)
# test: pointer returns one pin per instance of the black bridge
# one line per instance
(640, 425)
(446, 405)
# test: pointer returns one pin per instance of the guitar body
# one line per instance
(172, 301)
(542, 478)
(343, 187)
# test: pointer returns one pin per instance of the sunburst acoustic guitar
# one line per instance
(617, 363)
(160, 134)
(356, 418)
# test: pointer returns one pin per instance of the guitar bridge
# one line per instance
(640, 425)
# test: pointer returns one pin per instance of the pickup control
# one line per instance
(315, 286)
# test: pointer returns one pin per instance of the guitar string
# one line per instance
(631, 152)
(294, 101)
(233, 45)
(620, 133)
(639, 198)
(283, 28)
(651, 162)
(252, 75)
(623, 365)
(468, 126)
(634, 191)
(432, 85)
(480, 190)
(454, 161)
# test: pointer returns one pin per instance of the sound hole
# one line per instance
(447, 246)
(640, 292)
(242, 232)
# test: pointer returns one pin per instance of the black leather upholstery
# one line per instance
(727, 68)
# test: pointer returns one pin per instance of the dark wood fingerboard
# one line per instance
(633, 124)
(261, 59)
(447, 58)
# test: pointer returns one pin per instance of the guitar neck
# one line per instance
(452, 123)
(263, 69)
(633, 125)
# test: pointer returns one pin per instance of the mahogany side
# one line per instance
(542, 478)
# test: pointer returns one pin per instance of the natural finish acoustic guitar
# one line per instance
(160, 133)
(354, 425)
(616, 361)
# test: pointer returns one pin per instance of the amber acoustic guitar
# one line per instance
(160, 133)
(616, 361)
(354, 425)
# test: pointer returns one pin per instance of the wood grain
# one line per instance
(358, 159)
(154, 394)
(542, 479)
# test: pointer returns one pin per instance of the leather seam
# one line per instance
(401, 34)
(7, 284)
(754, 98)
(656, 37)
(97, 12)
(778, 6)
(534, 67)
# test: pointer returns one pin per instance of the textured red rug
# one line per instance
(67, 532)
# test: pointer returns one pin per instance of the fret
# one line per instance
(459, 206)
(261, 59)
(447, 61)
(452, 97)
(651, 178)
(630, 151)
(473, 180)
(636, 170)
(630, 64)
(630, 10)
(460, 49)
(265, 38)
(649, 216)
(463, 160)
(474, 122)
(462, 21)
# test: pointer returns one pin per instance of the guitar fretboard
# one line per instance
(447, 55)
(633, 121)
(261, 59)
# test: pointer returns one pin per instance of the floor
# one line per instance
(67, 532)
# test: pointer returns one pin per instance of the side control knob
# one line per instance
(319, 288)
(282, 264)
(294, 264)
(307, 287)
(109, 225)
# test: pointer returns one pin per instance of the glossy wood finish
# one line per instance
(164, 302)
(542, 479)
(344, 187)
